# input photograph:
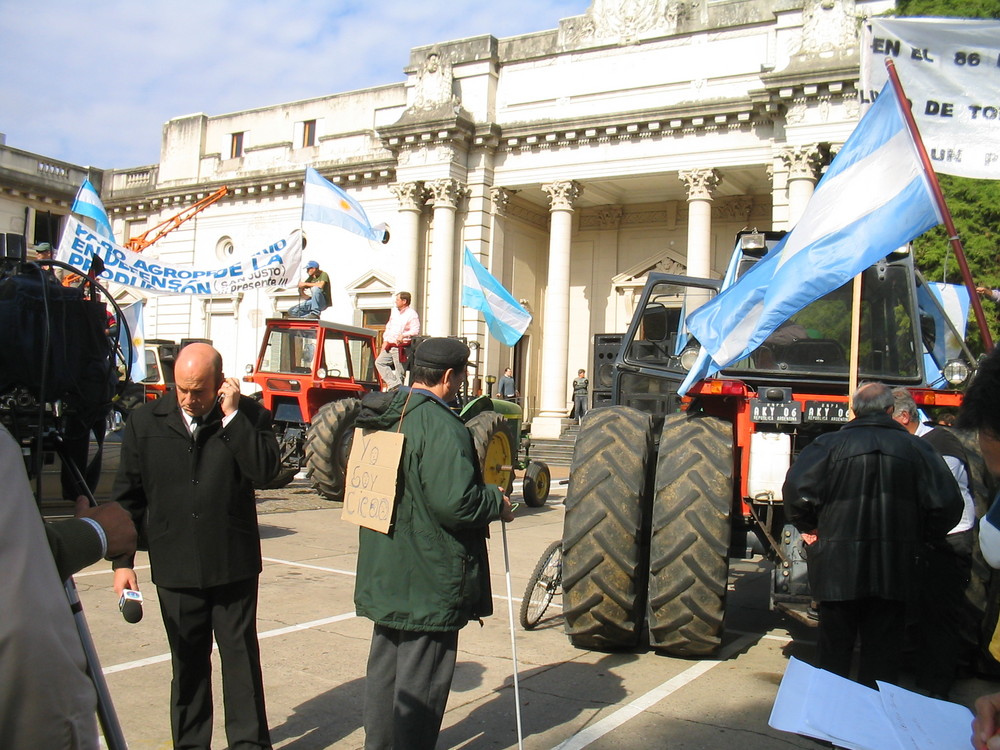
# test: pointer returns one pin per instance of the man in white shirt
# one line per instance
(402, 328)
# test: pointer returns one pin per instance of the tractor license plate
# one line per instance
(785, 412)
(826, 411)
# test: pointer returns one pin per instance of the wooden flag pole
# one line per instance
(956, 242)
(852, 378)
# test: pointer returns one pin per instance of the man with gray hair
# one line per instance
(873, 495)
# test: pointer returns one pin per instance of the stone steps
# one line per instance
(556, 452)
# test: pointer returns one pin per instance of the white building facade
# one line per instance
(640, 136)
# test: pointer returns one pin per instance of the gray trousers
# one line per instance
(406, 688)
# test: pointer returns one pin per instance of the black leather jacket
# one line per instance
(874, 494)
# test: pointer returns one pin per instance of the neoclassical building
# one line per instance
(639, 136)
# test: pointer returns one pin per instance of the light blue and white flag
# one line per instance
(324, 202)
(703, 365)
(505, 317)
(952, 301)
(874, 198)
(132, 317)
(88, 204)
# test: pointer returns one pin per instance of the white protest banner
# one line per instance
(272, 267)
(950, 69)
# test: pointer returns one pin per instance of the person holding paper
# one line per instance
(421, 582)
(873, 494)
(981, 411)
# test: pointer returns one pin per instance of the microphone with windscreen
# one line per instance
(131, 605)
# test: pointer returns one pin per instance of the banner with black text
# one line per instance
(950, 69)
(271, 267)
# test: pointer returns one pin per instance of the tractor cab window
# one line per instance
(335, 357)
(289, 351)
(660, 337)
(362, 360)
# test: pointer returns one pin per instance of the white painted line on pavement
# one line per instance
(311, 567)
(630, 710)
(260, 636)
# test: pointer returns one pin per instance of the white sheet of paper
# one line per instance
(923, 723)
(823, 705)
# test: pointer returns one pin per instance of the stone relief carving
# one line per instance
(411, 195)
(501, 198)
(625, 21)
(829, 25)
(435, 83)
(446, 193)
(737, 207)
(563, 194)
(701, 183)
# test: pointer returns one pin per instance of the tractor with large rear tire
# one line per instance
(665, 490)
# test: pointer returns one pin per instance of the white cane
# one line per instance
(513, 642)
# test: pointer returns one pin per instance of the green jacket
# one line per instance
(431, 571)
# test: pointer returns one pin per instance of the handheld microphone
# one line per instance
(131, 605)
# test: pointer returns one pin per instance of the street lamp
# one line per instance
(490, 381)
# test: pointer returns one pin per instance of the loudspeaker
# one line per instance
(606, 346)
(600, 399)
(12, 246)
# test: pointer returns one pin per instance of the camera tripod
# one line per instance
(106, 715)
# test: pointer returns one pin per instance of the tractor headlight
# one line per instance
(321, 372)
(689, 356)
(248, 369)
(956, 372)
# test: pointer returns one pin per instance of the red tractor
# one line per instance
(665, 490)
(312, 375)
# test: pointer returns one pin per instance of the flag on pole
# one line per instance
(133, 319)
(703, 365)
(88, 204)
(505, 317)
(874, 198)
(324, 202)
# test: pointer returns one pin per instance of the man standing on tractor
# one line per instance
(316, 289)
(870, 495)
(402, 328)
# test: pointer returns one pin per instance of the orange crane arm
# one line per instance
(140, 243)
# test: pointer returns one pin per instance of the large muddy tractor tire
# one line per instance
(689, 546)
(328, 446)
(494, 441)
(607, 511)
(536, 485)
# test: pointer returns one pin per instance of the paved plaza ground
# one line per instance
(314, 650)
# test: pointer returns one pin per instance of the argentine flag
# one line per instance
(88, 204)
(506, 319)
(874, 198)
(136, 348)
(326, 203)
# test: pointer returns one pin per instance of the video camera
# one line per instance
(57, 367)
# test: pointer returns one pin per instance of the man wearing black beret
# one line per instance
(429, 575)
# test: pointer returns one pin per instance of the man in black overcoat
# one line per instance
(189, 463)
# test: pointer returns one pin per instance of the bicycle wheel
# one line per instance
(545, 581)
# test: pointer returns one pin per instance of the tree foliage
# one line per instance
(974, 204)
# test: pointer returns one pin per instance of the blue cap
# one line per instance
(312, 264)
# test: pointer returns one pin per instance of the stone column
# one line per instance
(497, 356)
(701, 184)
(442, 300)
(554, 402)
(804, 163)
(411, 196)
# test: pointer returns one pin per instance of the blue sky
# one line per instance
(92, 83)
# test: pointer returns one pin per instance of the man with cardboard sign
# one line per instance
(427, 575)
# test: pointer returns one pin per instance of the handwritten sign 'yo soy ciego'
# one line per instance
(370, 486)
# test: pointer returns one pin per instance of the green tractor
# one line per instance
(503, 444)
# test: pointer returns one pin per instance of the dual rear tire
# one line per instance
(646, 534)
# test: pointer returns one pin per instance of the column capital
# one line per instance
(411, 195)
(562, 194)
(501, 197)
(700, 183)
(804, 162)
(446, 192)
